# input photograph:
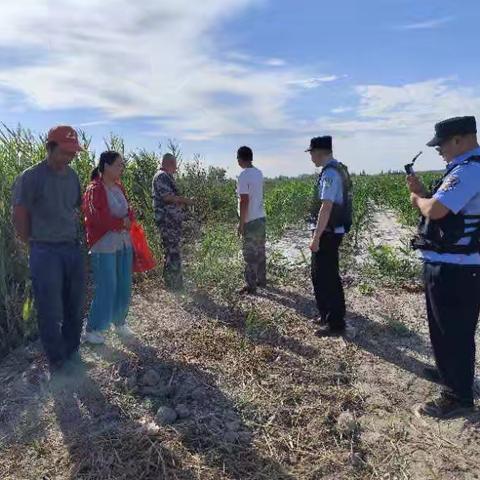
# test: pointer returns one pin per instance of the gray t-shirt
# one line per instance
(52, 199)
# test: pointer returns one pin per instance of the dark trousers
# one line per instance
(254, 238)
(453, 305)
(58, 279)
(327, 283)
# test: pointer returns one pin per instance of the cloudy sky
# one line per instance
(217, 74)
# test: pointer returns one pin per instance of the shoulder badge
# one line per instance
(327, 182)
(449, 183)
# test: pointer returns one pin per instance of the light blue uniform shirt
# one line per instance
(460, 193)
(330, 188)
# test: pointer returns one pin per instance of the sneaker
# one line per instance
(95, 338)
(444, 408)
(124, 331)
(326, 331)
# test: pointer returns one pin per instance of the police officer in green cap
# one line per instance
(449, 244)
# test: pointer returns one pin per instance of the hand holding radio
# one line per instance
(409, 166)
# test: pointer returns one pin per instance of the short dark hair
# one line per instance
(321, 143)
(245, 154)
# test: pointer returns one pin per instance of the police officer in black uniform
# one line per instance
(330, 219)
(449, 243)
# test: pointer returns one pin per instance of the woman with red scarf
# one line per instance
(108, 219)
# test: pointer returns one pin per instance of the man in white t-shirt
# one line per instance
(252, 221)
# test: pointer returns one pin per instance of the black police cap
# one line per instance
(321, 143)
(451, 127)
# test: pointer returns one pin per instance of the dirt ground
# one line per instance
(207, 390)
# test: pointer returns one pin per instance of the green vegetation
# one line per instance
(389, 267)
(390, 190)
(213, 254)
(287, 202)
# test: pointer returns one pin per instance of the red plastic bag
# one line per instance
(143, 260)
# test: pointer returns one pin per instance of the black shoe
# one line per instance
(73, 355)
(319, 320)
(444, 408)
(55, 366)
(247, 291)
(261, 284)
(74, 366)
(69, 369)
(327, 331)
(432, 375)
(74, 358)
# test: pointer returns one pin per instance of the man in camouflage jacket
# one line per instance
(169, 209)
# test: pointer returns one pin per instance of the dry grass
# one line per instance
(263, 399)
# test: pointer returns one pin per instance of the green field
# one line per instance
(212, 248)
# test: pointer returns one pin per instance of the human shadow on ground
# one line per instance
(236, 319)
(23, 377)
(210, 426)
(390, 342)
(102, 441)
(302, 305)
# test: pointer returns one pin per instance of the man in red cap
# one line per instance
(46, 199)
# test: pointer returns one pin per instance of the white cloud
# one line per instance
(254, 60)
(339, 110)
(275, 62)
(150, 59)
(394, 110)
(427, 24)
(391, 123)
(411, 106)
(161, 60)
(386, 127)
(240, 57)
(313, 82)
(93, 123)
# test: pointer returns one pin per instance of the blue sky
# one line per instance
(218, 74)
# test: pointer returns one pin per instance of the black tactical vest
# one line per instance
(442, 235)
(342, 213)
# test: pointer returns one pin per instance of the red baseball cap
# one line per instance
(66, 138)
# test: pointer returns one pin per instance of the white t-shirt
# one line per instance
(250, 182)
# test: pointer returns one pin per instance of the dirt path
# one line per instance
(246, 391)
(391, 348)
(387, 230)
(384, 230)
(293, 246)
